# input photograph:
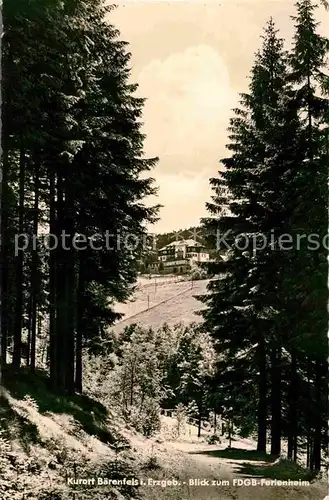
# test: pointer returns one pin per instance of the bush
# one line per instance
(181, 419)
(151, 420)
(147, 421)
(214, 439)
(152, 463)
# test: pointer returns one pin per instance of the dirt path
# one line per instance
(202, 472)
(221, 475)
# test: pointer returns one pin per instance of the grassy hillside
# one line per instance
(46, 441)
(169, 303)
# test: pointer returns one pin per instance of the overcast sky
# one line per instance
(191, 60)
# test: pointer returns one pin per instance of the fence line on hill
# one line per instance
(153, 307)
(155, 282)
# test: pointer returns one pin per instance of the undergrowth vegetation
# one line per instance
(42, 453)
(151, 369)
(48, 440)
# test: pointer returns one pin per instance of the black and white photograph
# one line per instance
(164, 250)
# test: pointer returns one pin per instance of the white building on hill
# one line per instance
(180, 256)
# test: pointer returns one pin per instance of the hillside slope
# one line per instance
(169, 303)
(47, 442)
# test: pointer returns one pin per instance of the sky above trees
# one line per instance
(191, 60)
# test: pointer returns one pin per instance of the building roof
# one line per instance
(182, 243)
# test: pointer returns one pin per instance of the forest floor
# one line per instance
(45, 440)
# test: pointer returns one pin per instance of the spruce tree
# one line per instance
(240, 302)
(308, 271)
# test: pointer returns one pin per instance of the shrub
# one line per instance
(151, 419)
(152, 463)
(213, 439)
(146, 421)
(181, 419)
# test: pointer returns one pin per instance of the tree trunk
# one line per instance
(262, 403)
(70, 338)
(229, 434)
(34, 273)
(28, 353)
(52, 287)
(292, 411)
(70, 287)
(295, 454)
(61, 354)
(199, 424)
(308, 451)
(19, 266)
(276, 401)
(319, 387)
(65, 287)
(311, 455)
(80, 314)
(4, 258)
